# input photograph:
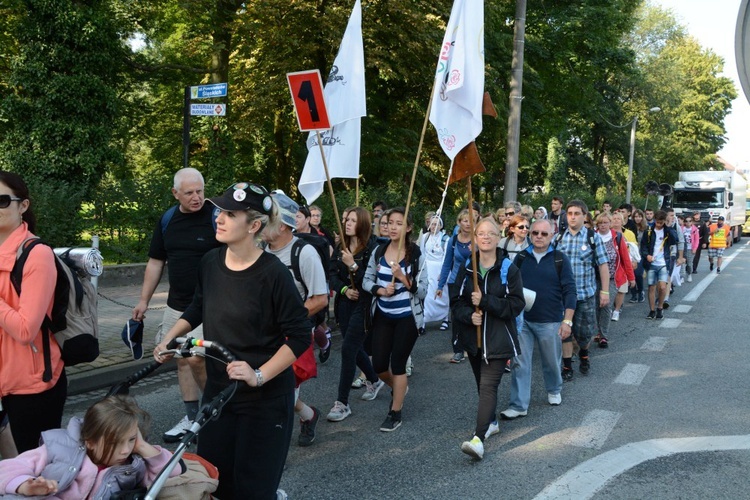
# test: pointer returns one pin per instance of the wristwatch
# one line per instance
(353, 267)
(258, 378)
(568, 322)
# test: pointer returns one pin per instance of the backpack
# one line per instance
(167, 217)
(592, 241)
(74, 314)
(320, 244)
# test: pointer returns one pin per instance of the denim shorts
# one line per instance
(655, 274)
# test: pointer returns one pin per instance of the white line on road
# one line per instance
(670, 323)
(654, 344)
(632, 374)
(682, 308)
(595, 428)
(584, 480)
(696, 292)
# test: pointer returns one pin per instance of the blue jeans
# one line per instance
(550, 348)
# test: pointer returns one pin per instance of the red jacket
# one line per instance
(21, 354)
(623, 267)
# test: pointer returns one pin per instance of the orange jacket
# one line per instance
(21, 355)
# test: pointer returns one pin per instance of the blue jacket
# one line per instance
(554, 293)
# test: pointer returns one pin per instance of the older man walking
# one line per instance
(549, 274)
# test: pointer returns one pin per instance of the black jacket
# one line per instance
(500, 305)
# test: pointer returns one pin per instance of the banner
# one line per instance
(456, 110)
(345, 99)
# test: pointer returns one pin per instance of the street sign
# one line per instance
(214, 109)
(309, 104)
(208, 91)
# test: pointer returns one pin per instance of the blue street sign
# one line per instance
(208, 91)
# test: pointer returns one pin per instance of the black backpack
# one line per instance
(321, 246)
(74, 315)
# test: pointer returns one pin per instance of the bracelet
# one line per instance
(568, 322)
(344, 289)
(258, 378)
(602, 291)
(353, 267)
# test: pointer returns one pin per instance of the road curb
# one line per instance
(107, 376)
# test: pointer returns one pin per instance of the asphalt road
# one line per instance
(663, 414)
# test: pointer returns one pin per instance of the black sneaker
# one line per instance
(665, 305)
(710, 266)
(651, 315)
(718, 270)
(567, 374)
(324, 354)
(585, 365)
(641, 297)
(659, 313)
(391, 422)
(307, 429)
(633, 299)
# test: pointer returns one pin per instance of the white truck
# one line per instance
(714, 194)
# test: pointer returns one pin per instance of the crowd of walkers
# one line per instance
(502, 282)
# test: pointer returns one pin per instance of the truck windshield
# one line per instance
(697, 199)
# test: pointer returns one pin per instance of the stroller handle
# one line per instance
(185, 343)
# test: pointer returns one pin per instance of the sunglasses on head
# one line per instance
(5, 200)
(537, 233)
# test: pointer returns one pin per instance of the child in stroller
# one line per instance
(104, 451)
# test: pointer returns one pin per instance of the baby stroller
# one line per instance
(200, 475)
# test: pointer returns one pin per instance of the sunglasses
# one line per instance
(5, 200)
(522, 227)
(537, 233)
(509, 213)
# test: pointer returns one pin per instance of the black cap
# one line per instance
(245, 196)
(721, 217)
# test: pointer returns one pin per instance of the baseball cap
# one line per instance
(721, 217)
(287, 208)
(245, 196)
(132, 335)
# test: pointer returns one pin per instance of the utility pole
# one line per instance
(510, 192)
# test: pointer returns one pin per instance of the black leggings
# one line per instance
(249, 444)
(31, 414)
(487, 375)
(392, 342)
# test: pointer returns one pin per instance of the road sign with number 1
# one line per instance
(309, 104)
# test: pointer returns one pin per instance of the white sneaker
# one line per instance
(615, 315)
(510, 414)
(358, 383)
(178, 431)
(554, 399)
(689, 278)
(409, 367)
(493, 429)
(281, 495)
(372, 390)
(339, 412)
(473, 448)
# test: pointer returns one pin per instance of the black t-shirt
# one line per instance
(630, 224)
(186, 240)
(252, 312)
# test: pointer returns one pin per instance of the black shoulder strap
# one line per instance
(558, 263)
(296, 250)
(558, 239)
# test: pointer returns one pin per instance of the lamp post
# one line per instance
(629, 189)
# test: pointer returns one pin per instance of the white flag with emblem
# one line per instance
(345, 100)
(456, 109)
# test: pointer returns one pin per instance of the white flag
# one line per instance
(345, 100)
(456, 109)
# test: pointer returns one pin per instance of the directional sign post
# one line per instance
(210, 91)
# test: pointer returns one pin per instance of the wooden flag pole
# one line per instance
(356, 192)
(414, 172)
(333, 197)
(473, 253)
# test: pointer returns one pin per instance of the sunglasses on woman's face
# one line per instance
(5, 200)
(522, 227)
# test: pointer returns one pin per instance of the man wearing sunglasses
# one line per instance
(547, 272)
(588, 256)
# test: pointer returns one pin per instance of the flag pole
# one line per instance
(473, 253)
(333, 197)
(356, 192)
(414, 172)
